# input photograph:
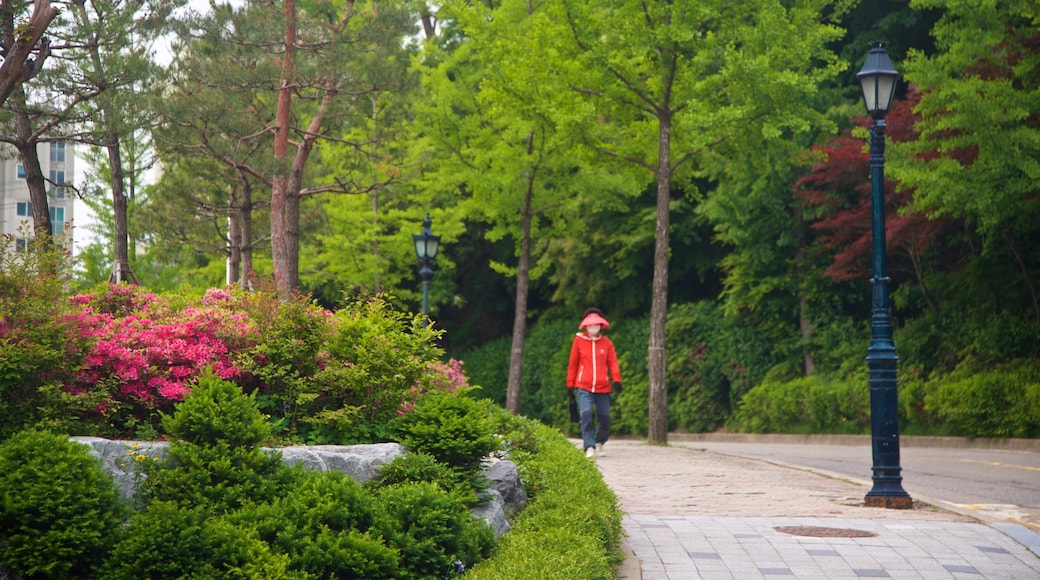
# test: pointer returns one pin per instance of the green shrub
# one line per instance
(455, 429)
(169, 541)
(423, 467)
(432, 529)
(376, 362)
(40, 345)
(488, 366)
(1004, 402)
(807, 405)
(280, 366)
(59, 510)
(326, 524)
(571, 528)
(215, 458)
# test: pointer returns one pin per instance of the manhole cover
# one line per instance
(820, 532)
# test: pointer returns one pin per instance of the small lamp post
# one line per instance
(426, 245)
(878, 80)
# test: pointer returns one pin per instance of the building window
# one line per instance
(58, 152)
(24, 208)
(57, 220)
(21, 171)
(20, 245)
(57, 183)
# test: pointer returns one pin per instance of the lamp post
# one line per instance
(426, 245)
(878, 80)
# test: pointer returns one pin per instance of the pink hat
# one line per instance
(593, 319)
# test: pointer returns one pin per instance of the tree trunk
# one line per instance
(523, 280)
(20, 64)
(656, 355)
(26, 145)
(121, 271)
(805, 326)
(234, 240)
(285, 279)
(245, 231)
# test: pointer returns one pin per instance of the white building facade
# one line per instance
(56, 161)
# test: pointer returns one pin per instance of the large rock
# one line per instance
(124, 459)
(506, 495)
(362, 462)
(505, 480)
(493, 511)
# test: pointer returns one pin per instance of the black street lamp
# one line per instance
(426, 245)
(878, 80)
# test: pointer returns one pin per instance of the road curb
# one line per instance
(1031, 445)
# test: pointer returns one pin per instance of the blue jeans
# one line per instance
(591, 435)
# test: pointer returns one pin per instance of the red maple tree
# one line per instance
(836, 198)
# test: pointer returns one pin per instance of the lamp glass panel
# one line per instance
(886, 86)
(869, 84)
(432, 243)
(420, 246)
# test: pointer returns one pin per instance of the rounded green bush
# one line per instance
(326, 524)
(218, 410)
(432, 529)
(216, 459)
(452, 427)
(59, 510)
(168, 541)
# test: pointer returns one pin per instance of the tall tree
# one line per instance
(977, 155)
(296, 87)
(659, 85)
(523, 180)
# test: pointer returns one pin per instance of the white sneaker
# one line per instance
(590, 452)
(599, 449)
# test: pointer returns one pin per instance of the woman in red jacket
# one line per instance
(593, 374)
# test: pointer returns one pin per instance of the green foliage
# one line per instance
(572, 526)
(218, 411)
(216, 460)
(59, 511)
(290, 335)
(456, 430)
(807, 405)
(39, 343)
(376, 363)
(325, 523)
(1003, 402)
(432, 529)
(423, 467)
(712, 361)
(168, 540)
(488, 366)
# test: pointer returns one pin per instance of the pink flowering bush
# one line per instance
(447, 376)
(146, 353)
(112, 361)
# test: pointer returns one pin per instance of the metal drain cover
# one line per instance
(820, 532)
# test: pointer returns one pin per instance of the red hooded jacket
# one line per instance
(590, 360)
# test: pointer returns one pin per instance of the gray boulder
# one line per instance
(125, 460)
(506, 495)
(505, 480)
(361, 462)
(493, 511)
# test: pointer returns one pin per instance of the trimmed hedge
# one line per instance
(572, 526)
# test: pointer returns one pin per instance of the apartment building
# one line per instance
(56, 161)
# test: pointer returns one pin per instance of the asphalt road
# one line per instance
(993, 484)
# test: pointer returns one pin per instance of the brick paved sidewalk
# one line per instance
(697, 514)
